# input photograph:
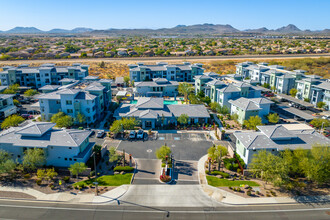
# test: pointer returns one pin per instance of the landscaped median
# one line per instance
(217, 182)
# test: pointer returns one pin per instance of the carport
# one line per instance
(296, 101)
(298, 113)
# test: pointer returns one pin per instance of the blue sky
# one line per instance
(104, 14)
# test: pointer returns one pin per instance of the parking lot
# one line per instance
(187, 149)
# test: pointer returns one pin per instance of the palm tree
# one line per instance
(184, 89)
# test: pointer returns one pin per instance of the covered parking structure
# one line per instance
(297, 114)
(296, 101)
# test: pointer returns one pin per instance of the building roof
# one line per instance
(299, 139)
(148, 102)
(85, 96)
(245, 104)
(50, 87)
(229, 88)
(35, 129)
(38, 136)
(196, 111)
(276, 131)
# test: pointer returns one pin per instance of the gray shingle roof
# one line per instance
(52, 137)
(198, 111)
(276, 131)
(245, 104)
(35, 129)
(151, 103)
(49, 87)
(229, 88)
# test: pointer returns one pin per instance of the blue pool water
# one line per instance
(166, 102)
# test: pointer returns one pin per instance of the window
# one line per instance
(69, 111)
(65, 158)
(70, 159)
(88, 110)
(75, 159)
(68, 102)
(70, 147)
(244, 152)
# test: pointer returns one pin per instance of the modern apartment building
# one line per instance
(179, 72)
(158, 87)
(90, 98)
(7, 106)
(46, 74)
(62, 147)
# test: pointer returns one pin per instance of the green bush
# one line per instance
(66, 179)
(38, 182)
(207, 172)
(215, 172)
(126, 169)
(27, 176)
(248, 193)
(239, 170)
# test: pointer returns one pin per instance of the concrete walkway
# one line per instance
(70, 197)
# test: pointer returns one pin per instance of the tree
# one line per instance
(273, 118)
(81, 119)
(116, 127)
(293, 92)
(16, 102)
(318, 122)
(77, 168)
(113, 155)
(33, 158)
(163, 152)
(102, 64)
(270, 168)
(41, 174)
(216, 153)
(126, 80)
(51, 173)
(185, 89)
(183, 119)
(7, 164)
(253, 122)
(321, 104)
(11, 121)
(316, 166)
(30, 92)
(62, 120)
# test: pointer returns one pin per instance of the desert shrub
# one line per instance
(126, 169)
(66, 179)
(27, 176)
(249, 193)
(207, 172)
(38, 182)
(239, 170)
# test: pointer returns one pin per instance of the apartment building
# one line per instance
(90, 98)
(158, 87)
(179, 72)
(7, 106)
(46, 74)
(62, 147)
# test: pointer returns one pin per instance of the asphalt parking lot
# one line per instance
(187, 149)
(184, 146)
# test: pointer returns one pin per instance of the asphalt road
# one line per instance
(122, 210)
(154, 59)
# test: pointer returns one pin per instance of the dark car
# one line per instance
(27, 116)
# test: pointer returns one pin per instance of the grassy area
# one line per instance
(110, 180)
(215, 181)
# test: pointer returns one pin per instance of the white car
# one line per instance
(140, 134)
(325, 117)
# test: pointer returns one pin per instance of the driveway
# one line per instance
(148, 171)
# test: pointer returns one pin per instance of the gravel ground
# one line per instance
(19, 195)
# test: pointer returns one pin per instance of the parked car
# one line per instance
(100, 134)
(132, 135)
(325, 117)
(140, 134)
(270, 94)
(27, 116)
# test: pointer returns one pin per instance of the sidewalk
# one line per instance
(71, 197)
(233, 199)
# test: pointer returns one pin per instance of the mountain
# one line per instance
(64, 31)
(184, 30)
(288, 29)
(24, 30)
(259, 30)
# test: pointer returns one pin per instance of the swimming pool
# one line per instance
(166, 102)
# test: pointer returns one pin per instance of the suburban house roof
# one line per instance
(50, 87)
(35, 129)
(229, 88)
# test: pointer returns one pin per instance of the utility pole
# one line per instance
(95, 165)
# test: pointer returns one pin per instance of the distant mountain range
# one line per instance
(198, 29)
